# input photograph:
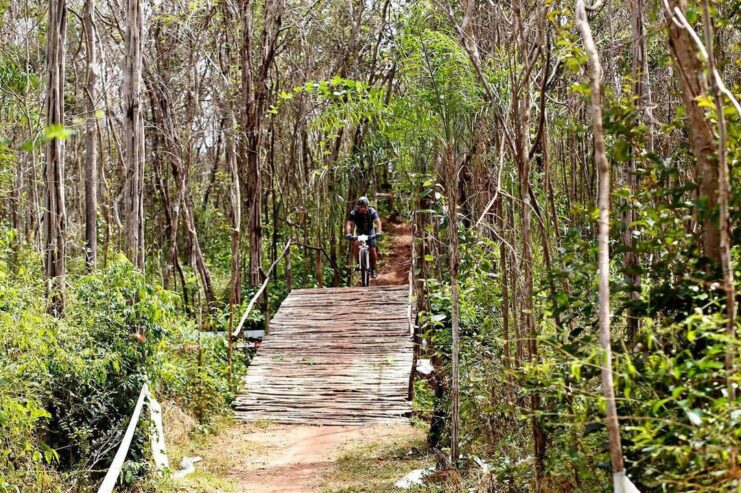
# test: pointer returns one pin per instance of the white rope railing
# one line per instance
(109, 482)
(159, 451)
(259, 291)
(158, 441)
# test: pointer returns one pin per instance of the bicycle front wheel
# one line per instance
(364, 268)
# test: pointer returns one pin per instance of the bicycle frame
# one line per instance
(364, 260)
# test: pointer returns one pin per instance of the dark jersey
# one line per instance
(363, 222)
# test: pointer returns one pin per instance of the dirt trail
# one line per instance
(295, 456)
(281, 458)
(248, 458)
(395, 259)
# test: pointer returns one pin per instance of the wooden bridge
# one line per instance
(337, 356)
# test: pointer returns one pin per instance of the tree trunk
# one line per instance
(632, 279)
(451, 189)
(724, 195)
(55, 215)
(236, 204)
(255, 92)
(504, 283)
(522, 102)
(196, 254)
(690, 68)
(603, 168)
(134, 135)
(91, 137)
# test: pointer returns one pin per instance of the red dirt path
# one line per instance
(396, 257)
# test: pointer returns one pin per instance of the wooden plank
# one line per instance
(334, 356)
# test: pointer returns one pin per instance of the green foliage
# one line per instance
(68, 386)
(107, 342)
(28, 344)
(689, 426)
(442, 99)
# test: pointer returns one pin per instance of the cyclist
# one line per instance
(365, 221)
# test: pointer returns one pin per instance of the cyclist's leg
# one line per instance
(373, 253)
(373, 257)
(355, 250)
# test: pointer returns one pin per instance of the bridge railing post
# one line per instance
(412, 329)
(289, 275)
(266, 300)
(319, 269)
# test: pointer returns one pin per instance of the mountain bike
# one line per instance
(364, 264)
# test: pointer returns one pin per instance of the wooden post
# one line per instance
(230, 344)
(319, 269)
(289, 277)
(266, 301)
(412, 324)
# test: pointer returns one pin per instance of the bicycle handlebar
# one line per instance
(370, 237)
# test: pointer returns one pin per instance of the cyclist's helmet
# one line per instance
(363, 201)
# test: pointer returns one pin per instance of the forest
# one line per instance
(565, 173)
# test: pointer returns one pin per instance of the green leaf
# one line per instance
(29, 145)
(691, 14)
(57, 131)
(621, 151)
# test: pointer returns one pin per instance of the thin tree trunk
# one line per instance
(236, 206)
(319, 268)
(91, 130)
(603, 168)
(689, 66)
(514, 274)
(55, 215)
(196, 254)
(451, 189)
(504, 282)
(134, 135)
(255, 93)
(724, 194)
(289, 274)
(632, 279)
(522, 101)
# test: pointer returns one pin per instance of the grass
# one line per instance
(377, 467)
(215, 478)
(199, 482)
